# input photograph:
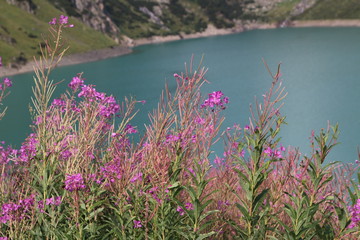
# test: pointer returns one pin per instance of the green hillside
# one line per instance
(281, 11)
(21, 32)
(333, 9)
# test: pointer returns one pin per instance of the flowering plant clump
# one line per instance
(80, 175)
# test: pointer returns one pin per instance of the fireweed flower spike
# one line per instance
(74, 182)
(63, 20)
(53, 21)
(355, 214)
(7, 82)
(76, 83)
(215, 99)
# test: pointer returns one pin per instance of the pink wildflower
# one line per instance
(137, 177)
(74, 182)
(268, 151)
(63, 19)
(27, 150)
(76, 83)
(215, 99)
(172, 138)
(137, 224)
(276, 153)
(199, 120)
(88, 91)
(58, 102)
(109, 106)
(180, 210)
(189, 206)
(355, 214)
(7, 82)
(53, 21)
(219, 161)
(130, 129)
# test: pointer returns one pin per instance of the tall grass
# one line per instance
(80, 176)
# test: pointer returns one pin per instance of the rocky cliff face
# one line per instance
(26, 5)
(302, 6)
(91, 13)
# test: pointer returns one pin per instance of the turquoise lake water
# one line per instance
(320, 70)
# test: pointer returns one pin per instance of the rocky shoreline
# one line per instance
(210, 31)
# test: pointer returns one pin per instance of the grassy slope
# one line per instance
(333, 9)
(281, 11)
(27, 30)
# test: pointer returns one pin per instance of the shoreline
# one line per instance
(72, 59)
(116, 51)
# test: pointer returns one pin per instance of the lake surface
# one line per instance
(320, 70)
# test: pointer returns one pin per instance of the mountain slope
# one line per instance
(104, 23)
(21, 32)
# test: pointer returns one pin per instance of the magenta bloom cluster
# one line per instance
(16, 211)
(5, 153)
(107, 105)
(355, 214)
(74, 182)
(27, 150)
(56, 201)
(76, 82)
(63, 20)
(188, 206)
(23, 208)
(275, 153)
(215, 99)
(137, 224)
(5, 83)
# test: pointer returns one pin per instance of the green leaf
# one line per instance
(191, 191)
(96, 212)
(259, 199)
(203, 216)
(205, 235)
(344, 222)
(243, 210)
